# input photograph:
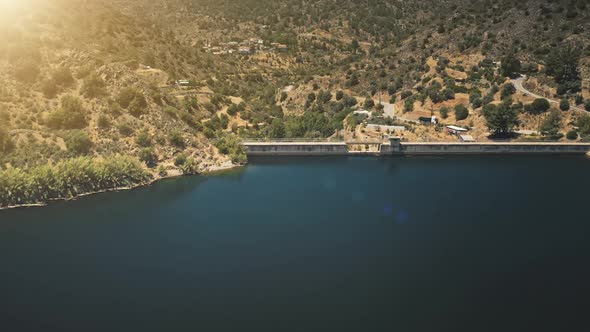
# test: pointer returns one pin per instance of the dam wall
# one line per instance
(490, 148)
(395, 147)
(296, 148)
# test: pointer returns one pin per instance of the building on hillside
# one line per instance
(454, 130)
(244, 50)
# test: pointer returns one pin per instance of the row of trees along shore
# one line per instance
(68, 179)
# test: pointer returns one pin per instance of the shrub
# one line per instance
(69, 178)
(103, 122)
(232, 110)
(148, 156)
(538, 106)
(579, 100)
(175, 138)
(406, 94)
(143, 139)
(444, 112)
(461, 112)
(125, 129)
(587, 106)
(572, 135)
(93, 87)
(564, 105)
(137, 107)
(186, 164)
(408, 105)
(79, 142)
(583, 124)
(507, 90)
(6, 144)
(475, 99)
(71, 115)
(231, 145)
(127, 95)
(180, 159)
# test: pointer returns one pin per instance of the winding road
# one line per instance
(520, 88)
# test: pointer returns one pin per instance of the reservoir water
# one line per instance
(319, 244)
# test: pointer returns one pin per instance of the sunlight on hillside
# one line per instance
(9, 7)
(10, 3)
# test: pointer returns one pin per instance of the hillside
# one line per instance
(177, 84)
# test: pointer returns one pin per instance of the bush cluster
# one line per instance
(69, 178)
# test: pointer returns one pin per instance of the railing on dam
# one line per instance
(396, 147)
(247, 141)
(289, 140)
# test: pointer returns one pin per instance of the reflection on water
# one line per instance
(294, 244)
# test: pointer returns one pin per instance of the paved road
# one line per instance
(519, 87)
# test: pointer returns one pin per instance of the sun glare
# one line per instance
(10, 3)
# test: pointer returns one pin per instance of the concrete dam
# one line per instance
(396, 147)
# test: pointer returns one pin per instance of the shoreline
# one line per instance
(213, 170)
(209, 171)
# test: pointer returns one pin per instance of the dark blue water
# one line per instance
(334, 244)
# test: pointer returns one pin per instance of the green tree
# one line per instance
(551, 125)
(572, 135)
(507, 90)
(510, 66)
(408, 105)
(232, 146)
(475, 99)
(444, 112)
(538, 106)
(564, 105)
(562, 64)
(276, 129)
(461, 112)
(500, 119)
(583, 124)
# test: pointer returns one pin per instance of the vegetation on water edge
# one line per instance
(68, 179)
